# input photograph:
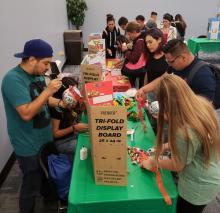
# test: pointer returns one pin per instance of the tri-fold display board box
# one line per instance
(90, 72)
(108, 134)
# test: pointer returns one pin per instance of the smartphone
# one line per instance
(54, 68)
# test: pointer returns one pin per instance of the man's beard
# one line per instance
(36, 73)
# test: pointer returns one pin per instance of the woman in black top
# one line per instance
(180, 26)
(110, 35)
(157, 64)
(65, 122)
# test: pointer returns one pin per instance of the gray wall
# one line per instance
(20, 21)
(195, 12)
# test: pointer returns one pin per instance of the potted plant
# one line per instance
(76, 12)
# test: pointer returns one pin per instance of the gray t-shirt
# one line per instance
(197, 184)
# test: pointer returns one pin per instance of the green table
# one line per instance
(141, 195)
(203, 44)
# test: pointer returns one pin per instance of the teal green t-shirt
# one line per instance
(197, 184)
(18, 88)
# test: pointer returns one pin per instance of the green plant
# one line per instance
(76, 12)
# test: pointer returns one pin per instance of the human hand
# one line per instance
(140, 94)
(54, 86)
(62, 104)
(149, 164)
(81, 127)
(130, 45)
(119, 64)
(109, 52)
(124, 47)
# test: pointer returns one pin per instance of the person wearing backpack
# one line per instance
(183, 63)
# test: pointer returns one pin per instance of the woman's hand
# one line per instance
(140, 94)
(81, 127)
(109, 52)
(62, 104)
(119, 64)
(124, 47)
(149, 164)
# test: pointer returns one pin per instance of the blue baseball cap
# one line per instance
(36, 48)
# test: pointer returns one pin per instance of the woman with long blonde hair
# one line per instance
(193, 139)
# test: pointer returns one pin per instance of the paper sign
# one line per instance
(90, 73)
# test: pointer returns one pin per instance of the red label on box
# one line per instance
(99, 93)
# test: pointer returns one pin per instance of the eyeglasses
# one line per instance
(172, 61)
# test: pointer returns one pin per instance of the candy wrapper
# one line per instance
(122, 100)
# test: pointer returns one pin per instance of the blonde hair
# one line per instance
(184, 111)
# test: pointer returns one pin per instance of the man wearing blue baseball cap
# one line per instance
(26, 98)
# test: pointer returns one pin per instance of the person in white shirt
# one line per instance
(169, 31)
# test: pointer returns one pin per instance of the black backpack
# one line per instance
(216, 71)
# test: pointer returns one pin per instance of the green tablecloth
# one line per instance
(203, 44)
(141, 195)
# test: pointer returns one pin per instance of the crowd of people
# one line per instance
(188, 118)
(134, 50)
(158, 57)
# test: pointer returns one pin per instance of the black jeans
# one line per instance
(133, 74)
(185, 207)
(31, 182)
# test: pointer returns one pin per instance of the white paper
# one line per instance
(101, 99)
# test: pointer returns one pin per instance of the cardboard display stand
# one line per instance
(214, 28)
(90, 72)
(108, 125)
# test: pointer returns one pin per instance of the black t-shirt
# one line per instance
(65, 117)
(156, 68)
(180, 29)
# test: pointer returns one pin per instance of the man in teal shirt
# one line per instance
(26, 98)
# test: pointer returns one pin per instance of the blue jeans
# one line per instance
(66, 145)
(31, 182)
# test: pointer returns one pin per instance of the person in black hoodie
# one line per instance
(180, 26)
(110, 35)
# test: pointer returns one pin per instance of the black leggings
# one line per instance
(185, 207)
(133, 74)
